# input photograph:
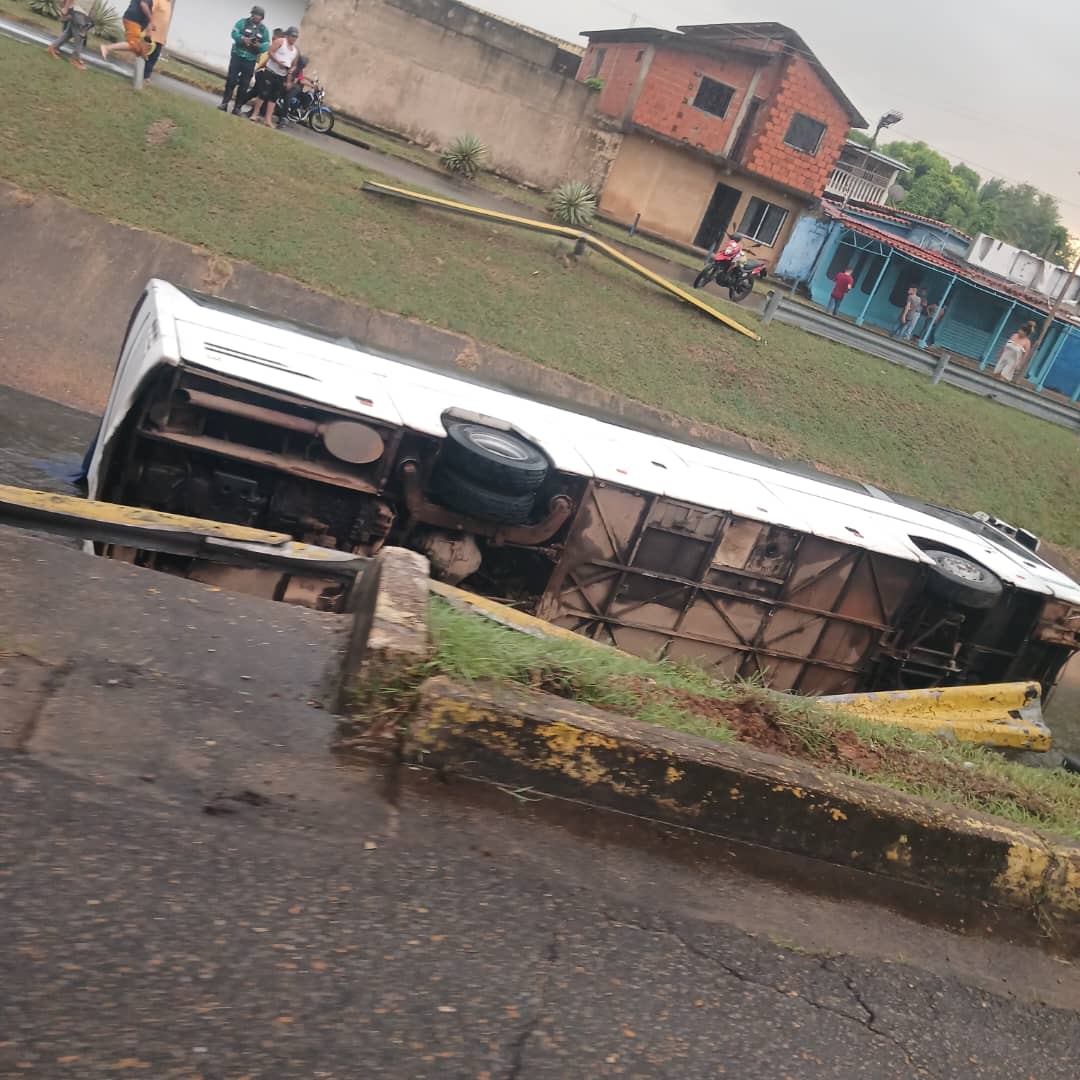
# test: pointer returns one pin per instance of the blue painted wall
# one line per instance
(1064, 376)
(802, 248)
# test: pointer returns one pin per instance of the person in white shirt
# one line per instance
(76, 16)
(280, 64)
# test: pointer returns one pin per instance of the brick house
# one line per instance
(728, 126)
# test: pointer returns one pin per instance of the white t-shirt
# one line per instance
(282, 58)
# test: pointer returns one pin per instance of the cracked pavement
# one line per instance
(193, 887)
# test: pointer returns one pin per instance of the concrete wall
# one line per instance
(200, 29)
(416, 67)
(801, 90)
(671, 189)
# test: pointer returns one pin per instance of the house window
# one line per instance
(598, 62)
(763, 221)
(805, 134)
(713, 97)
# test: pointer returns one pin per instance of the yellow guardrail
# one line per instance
(570, 234)
(154, 530)
(1003, 715)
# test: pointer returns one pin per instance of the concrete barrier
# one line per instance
(561, 748)
(1005, 715)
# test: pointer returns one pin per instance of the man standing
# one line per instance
(843, 283)
(76, 16)
(250, 41)
(909, 317)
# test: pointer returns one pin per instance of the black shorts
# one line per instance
(272, 87)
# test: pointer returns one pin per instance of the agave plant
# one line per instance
(463, 156)
(105, 22)
(51, 8)
(573, 204)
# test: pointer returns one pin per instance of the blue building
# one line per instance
(889, 251)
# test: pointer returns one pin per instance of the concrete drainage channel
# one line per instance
(520, 739)
(523, 739)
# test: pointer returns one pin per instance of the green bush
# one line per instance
(463, 156)
(105, 23)
(573, 204)
(594, 83)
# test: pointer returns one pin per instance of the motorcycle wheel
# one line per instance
(321, 120)
(741, 291)
(704, 277)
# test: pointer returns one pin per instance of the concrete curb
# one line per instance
(389, 641)
(569, 750)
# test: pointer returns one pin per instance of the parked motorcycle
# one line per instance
(732, 269)
(308, 107)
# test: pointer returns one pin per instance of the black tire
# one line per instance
(321, 120)
(965, 582)
(704, 277)
(497, 460)
(468, 497)
(740, 292)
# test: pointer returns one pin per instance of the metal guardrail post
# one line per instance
(140, 71)
(772, 302)
(939, 370)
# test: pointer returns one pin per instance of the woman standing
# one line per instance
(280, 63)
(1014, 352)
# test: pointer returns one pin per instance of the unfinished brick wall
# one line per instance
(786, 83)
(666, 101)
(800, 90)
(619, 72)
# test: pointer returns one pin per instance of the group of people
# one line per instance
(76, 22)
(920, 319)
(263, 67)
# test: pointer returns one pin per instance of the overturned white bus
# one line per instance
(656, 546)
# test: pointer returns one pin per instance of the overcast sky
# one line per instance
(994, 83)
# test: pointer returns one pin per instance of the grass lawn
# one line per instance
(469, 648)
(84, 136)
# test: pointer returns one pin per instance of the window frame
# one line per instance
(821, 137)
(732, 91)
(785, 212)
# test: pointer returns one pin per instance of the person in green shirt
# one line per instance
(250, 40)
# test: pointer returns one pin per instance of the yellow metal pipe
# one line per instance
(569, 234)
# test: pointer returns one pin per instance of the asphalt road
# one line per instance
(192, 886)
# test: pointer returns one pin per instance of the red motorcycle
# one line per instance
(732, 269)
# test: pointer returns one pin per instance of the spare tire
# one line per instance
(476, 501)
(965, 582)
(494, 459)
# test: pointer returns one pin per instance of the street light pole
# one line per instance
(893, 116)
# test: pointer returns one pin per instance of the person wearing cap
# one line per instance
(280, 64)
(250, 41)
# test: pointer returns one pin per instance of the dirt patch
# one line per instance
(160, 131)
(755, 718)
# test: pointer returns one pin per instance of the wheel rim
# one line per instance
(321, 121)
(959, 567)
(499, 445)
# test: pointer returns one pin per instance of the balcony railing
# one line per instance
(857, 188)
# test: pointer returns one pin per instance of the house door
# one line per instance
(718, 216)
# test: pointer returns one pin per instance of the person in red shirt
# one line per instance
(843, 283)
